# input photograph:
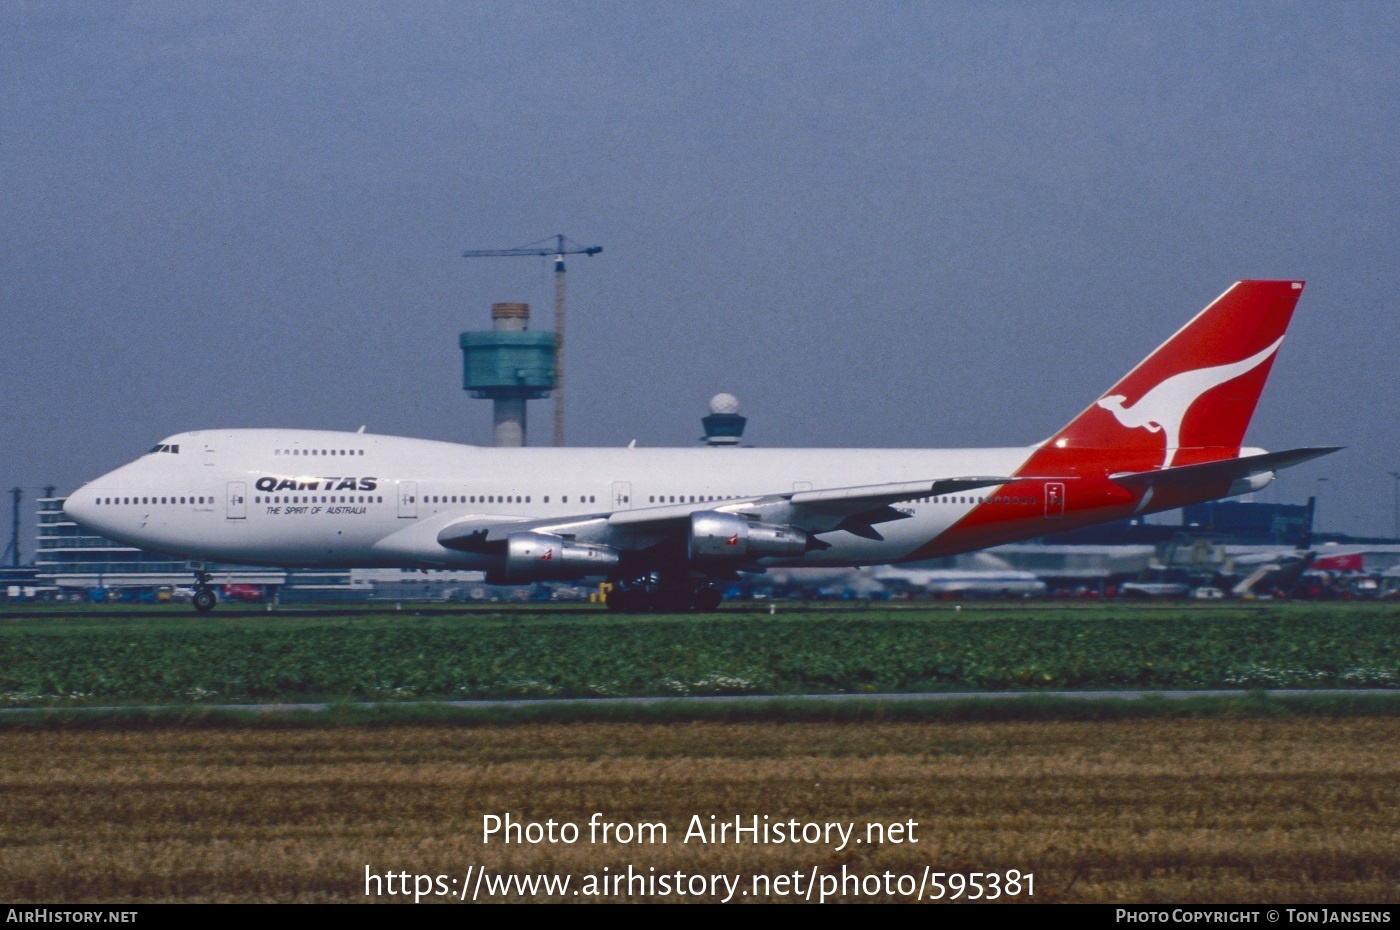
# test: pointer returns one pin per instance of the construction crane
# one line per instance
(562, 246)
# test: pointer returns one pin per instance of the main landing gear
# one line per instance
(652, 595)
(204, 596)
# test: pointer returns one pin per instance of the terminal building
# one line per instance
(71, 563)
(68, 558)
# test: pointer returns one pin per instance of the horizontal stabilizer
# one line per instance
(1224, 470)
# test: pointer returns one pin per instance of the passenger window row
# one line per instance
(519, 499)
(975, 499)
(495, 499)
(694, 498)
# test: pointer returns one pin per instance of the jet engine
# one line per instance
(718, 536)
(545, 557)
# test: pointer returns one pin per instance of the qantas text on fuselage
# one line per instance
(669, 526)
(269, 483)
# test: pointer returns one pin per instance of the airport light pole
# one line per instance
(1317, 508)
(1396, 533)
(12, 549)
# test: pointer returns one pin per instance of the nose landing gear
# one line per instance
(204, 596)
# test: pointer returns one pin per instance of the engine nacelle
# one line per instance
(716, 536)
(545, 557)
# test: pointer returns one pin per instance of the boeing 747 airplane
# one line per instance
(666, 525)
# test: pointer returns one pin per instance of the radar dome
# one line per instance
(724, 403)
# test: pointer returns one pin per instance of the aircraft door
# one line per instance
(408, 499)
(1054, 499)
(237, 500)
(802, 485)
(622, 495)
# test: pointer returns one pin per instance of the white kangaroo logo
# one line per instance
(1164, 407)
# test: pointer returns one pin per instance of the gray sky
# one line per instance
(878, 224)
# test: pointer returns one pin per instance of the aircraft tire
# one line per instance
(204, 600)
(670, 601)
(708, 599)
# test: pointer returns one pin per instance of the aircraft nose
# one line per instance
(85, 507)
(80, 505)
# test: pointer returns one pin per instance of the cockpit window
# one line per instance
(165, 447)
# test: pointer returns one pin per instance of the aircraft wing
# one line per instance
(855, 509)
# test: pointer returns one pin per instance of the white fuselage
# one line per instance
(313, 498)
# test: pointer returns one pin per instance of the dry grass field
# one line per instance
(1244, 811)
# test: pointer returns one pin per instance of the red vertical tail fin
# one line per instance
(1192, 399)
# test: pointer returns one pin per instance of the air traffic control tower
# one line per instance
(724, 426)
(508, 365)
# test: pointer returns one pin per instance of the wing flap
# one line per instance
(867, 495)
(675, 512)
(852, 500)
(486, 533)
